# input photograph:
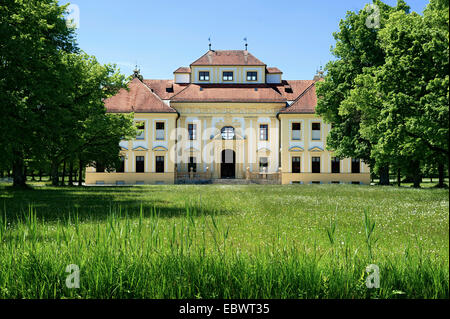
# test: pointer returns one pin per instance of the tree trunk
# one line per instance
(55, 175)
(441, 175)
(19, 179)
(384, 175)
(80, 174)
(399, 177)
(40, 175)
(63, 173)
(417, 178)
(71, 173)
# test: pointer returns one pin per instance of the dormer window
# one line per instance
(252, 76)
(227, 76)
(203, 75)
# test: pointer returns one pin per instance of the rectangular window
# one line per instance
(252, 76)
(140, 164)
(296, 131)
(356, 165)
(121, 167)
(203, 76)
(227, 76)
(263, 164)
(335, 165)
(315, 132)
(192, 164)
(356, 183)
(159, 164)
(263, 132)
(192, 130)
(315, 165)
(296, 165)
(140, 130)
(160, 133)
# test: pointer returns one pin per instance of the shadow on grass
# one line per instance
(94, 203)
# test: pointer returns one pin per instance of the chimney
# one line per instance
(209, 54)
(246, 56)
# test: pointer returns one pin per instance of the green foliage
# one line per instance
(33, 35)
(387, 93)
(52, 94)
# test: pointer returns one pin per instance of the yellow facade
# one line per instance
(213, 135)
(148, 147)
(239, 73)
(208, 145)
(245, 118)
(306, 148)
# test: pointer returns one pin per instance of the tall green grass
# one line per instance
(202, 252)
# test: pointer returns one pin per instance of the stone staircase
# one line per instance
(231, 181)
(238, 181)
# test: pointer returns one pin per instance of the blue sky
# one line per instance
(160, 36)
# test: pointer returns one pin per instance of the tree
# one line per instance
(79, 122)
(411, 90)
(357, 49)
(33, 35)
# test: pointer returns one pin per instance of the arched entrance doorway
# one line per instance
(228, 165)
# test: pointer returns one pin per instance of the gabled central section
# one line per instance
(227, 67)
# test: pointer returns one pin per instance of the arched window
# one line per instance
(227, 133)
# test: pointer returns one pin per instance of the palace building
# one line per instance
(228, 116)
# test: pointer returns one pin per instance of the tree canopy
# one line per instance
(386, 94)
(52, 93)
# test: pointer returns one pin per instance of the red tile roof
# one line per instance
(291, 89)
(165, 89)
(138, 98)
(147, 96)
(305, 103)
(227, 57)
(228, 93)
(273, 70)
(183, 69)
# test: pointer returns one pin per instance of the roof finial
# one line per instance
(319, 74)
(137, 73)
(209, 40)
(246, 44)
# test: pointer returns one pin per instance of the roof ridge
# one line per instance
(303, 93)
(180, 91)
(199, 58)
(156, 95)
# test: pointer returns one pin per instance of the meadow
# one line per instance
(224, 241)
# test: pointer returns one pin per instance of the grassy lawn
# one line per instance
(213, 241)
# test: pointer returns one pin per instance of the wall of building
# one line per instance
(149, 147)
(182, 77)
(239, 73)
(93, 178)
(207, 148)
(306, 148)
(273, 78)
(245, 118)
